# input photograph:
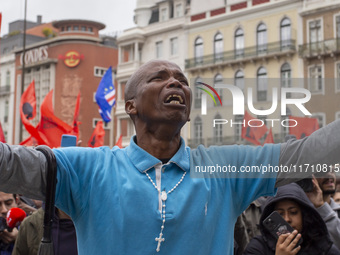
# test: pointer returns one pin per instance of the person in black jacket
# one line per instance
(294, 206)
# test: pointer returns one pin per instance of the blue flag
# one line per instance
(106, 95)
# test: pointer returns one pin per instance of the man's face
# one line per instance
(7, 201)
(163, 94)
(327, 183)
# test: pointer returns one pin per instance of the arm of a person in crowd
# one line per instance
(302, 157)
(326, 212)
(22, 171)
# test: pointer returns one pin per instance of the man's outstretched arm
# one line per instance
(22, 171)
(303, 157)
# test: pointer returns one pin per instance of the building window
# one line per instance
(164, 14)
(8, 78)
(68, 28)
(75, 28)
(321, 118)
(262, 85)
(337, 84)
(6, 111)
(159, 49)
(90, 29)
(198, 130)
(239, 43)
(285, 33)
(315, 34)
(174, 46)
(337, 115)
(218, 46)
(286, 78)
(198, 94)
(315, 79)
(239, 80)
(218, 80)
(83, 28)
(238, 127)
(199, 50)
(337, 26)
(105, 124)
(99, 71)
(179, 10)
(285, 129)
(261, 38)
(218, 133)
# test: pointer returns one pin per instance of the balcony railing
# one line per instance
(314, 49)
(5, 89)
(241, 54)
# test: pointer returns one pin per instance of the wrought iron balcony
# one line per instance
(327, 47)
(249, 53)
(5, 90)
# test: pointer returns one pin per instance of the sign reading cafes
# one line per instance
(35, 55)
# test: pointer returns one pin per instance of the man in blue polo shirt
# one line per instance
(142, 199)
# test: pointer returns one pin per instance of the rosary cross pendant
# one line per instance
(159, 239)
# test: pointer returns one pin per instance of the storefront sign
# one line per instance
(72, 58)
(35, 55)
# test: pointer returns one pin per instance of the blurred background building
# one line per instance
(251, 44)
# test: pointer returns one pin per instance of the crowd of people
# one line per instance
(141, 199)
(314, 214)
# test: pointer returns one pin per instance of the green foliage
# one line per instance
(48, 32)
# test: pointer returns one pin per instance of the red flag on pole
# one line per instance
(305, 126)
(120, 142)
(97, 137)
(50, 126)
(252, 129)
(269, 138)
(28, 112)
(2, 135)
(75, 129)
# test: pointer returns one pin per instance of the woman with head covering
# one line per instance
(294, 206)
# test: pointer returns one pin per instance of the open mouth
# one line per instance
(174, 99)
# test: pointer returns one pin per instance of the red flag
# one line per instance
(28, 111)
(51, 127)
(2, 135)
(305, 126)
(30, 141)
(75, 130)
(269, 138)
(251, 132)
(28, 103)
(120, 142)
(97, 138)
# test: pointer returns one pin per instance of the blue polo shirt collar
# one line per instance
(143, 161)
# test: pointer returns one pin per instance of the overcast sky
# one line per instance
(117, 15)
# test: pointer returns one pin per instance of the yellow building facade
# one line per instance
(253, 47)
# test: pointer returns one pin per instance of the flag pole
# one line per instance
(112, 142)
(23, 65)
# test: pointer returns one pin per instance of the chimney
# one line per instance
(39, 19)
